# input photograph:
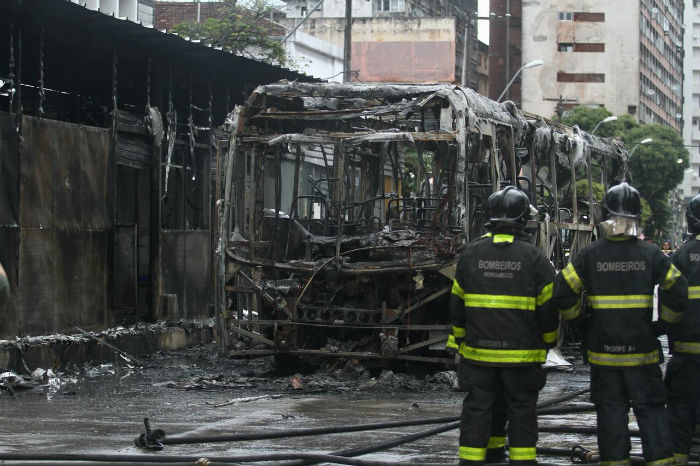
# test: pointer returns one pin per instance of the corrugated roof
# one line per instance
(71, 15)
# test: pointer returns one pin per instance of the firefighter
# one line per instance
(683, 370)
(618, 274)
(503, 323)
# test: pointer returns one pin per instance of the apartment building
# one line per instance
(691, 92)
(626, 55)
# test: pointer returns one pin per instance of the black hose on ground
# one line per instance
(70, 459)
(580, 455)
(304, 432)
(568, 396)
(411, 437)
(218, 438)
(566, 410)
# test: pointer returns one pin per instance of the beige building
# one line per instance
(398, 40)
(625, 55)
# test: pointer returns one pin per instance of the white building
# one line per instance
(135, 10)
(625, 55)
(315, 57)
(691, 90)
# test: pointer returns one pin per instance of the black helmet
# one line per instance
(508, 207)
(622, 200)
(692, 215)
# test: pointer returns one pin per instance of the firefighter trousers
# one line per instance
(683, 393)
(496, 449)
(489, 389)
(614, 390)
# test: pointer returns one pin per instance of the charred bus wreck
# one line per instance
(343, 208)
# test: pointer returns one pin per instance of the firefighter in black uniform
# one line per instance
(683, 370)
(503, 323)
(619, 274)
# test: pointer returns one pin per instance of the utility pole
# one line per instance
(347, 43)
(508, 71)
(561, 100)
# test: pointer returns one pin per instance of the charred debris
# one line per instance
(344, 207)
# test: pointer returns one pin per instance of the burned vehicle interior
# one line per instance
(344, 207)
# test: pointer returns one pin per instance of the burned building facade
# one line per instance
(108, 158)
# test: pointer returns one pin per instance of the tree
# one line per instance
(243, 29)
(654, 167)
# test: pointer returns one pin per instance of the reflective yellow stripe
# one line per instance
(660, 462)
(499, 355)
(497, 442)
(689, 347)
(628, 359)
(617, 238)
(694, 292)
(522, 454)
(550, 337)
(672, 275)
(494, 301)
(458, 332)
(669, 315)
(680, 458)
(451, 343)
(616, 463)
(472, 453)
(457, 290)
(501, 238)
(625, 301)
(545, 295)
(572, 312)
(572, 278)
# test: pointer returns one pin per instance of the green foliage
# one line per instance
(586, 118)
(582, 190)
(243, 29)
(412, 170)
(654, 167)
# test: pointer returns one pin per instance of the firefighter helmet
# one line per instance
(622, 200)
(692, 215)
(509, 206)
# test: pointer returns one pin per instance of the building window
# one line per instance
(593, 47)
(569, 47)
(390, 5)
(563, 77)
(566, 16)
(632, 109)
(589, 17)
(566, 47)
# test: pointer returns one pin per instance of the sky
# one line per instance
(483, 27)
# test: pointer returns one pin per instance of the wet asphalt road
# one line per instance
(101, 411)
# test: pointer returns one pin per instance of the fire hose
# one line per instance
(156, 439)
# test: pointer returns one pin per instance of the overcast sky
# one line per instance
(484, 24)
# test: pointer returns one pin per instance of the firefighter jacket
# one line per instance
(618, 275)
(500, 308)
(684, 337)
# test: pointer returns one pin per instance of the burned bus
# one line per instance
(343, 208)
